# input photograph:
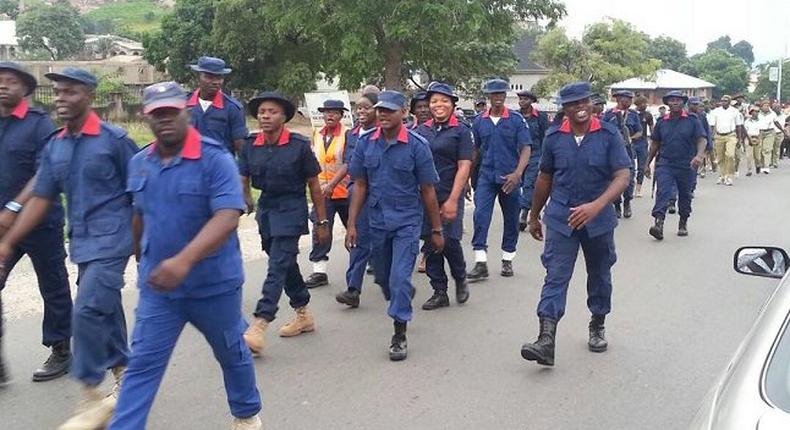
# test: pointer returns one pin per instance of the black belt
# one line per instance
(767, 130)
(723, 134)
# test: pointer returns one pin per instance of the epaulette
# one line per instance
(233, 101)
(611, 128)
(55, 132)
(417, 136)
(114, 130)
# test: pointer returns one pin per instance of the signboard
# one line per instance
(773, 74)
(316, 100)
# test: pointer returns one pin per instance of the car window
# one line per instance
(777, 376)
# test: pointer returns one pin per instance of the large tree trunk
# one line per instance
(392, 66)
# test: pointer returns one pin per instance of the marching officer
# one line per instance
(502, 150)
(24, 132)
(358, 256)
(640, 145)
(87, 161)
(726, 123)
(329, 145)
(190, 268)
(584, 167)
(538, 123)
(419, 109)
(393, 173)
(280, 164)
(451, 145)
(481, 105)
(214, 113)
(627, 121)
(678, 142)
(598, 105)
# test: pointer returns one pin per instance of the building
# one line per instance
(8, 42)
(101, 46)
(665, 80)
(133, 70)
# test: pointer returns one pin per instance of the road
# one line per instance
(679, 313)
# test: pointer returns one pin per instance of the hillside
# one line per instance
(124, 16)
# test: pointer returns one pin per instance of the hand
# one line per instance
(169, 274)
(7, 219)
(322, 233)
(327, 190)
(648, 171)
(468, 192)
(581, 215)
(536, 228)
(511, 182)
(697, 161)
(437, 243)
(351, 236)
(449, 210)
(249, 203)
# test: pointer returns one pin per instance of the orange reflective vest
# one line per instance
(330, 159)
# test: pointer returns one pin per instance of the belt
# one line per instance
(767, 130)
(724, 134)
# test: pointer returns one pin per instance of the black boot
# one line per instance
(657, 230)
(627, 209)
(398, 346)
(349, 298)
(522, 222)
(672, 208)
(478, 273)
(369, 269)
(57, 364)
(438, 300)
(5, 378)
(507, 268)
(542, 350)
(618, 210)
(316, 280)
(597, 342)
(683, 227)
(461, 291)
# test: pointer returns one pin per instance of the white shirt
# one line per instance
(752, 127)
(725, 121)
(781, 119)
(495, 119)
(766, 120)
(205, 104)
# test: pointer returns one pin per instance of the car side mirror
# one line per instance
(765, 261)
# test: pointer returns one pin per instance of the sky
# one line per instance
(763, 23)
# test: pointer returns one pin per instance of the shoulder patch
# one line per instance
(416, 135)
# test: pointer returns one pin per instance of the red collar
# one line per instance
(91, 127)
(285, 137)
(20, 111)
(218, 101)
(335, 131)
(505, 113)
(683, 114)
(452, 122)
(403, 135)
(534, 111)
(192, 147)
(595, 125)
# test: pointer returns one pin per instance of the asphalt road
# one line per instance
(679, 313)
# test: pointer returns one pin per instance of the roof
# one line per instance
(8, 33)
(663, 78)
(522, 49)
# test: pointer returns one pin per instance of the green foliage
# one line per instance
(54, 28)
(743, 49)
(717, 66)
(9, 8)
(126, 17)
(766, 89)
(671, 52)
(724, 43)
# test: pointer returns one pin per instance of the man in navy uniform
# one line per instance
(87, 161)
(678, 144)
(538, 123)
(214, 113)
(393, 173)
(24, 132)
(627, 121)
(502, 150)
(584, 167)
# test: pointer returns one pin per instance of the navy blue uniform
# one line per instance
(90, 167)
(280, 171)
(621, 120)
(581, 173)
(359, 255)
(677, 137)
(499, 147)
(450, 143)
(175, 200)
(640, 145)
(223, 121)
(538, 124)
(394, 171)
(23, 136)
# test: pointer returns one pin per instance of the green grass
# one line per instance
(138, 132)
(137, 16)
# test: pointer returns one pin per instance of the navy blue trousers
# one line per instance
(528, 182)
(359, 255)
(628, 194)
(674, 183)
(486, 192)
(640, 151)
(283, 274)
(320, 252)
(394, 255)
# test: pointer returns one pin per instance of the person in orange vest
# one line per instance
(329, 145)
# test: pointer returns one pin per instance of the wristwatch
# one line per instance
(437, 231)
(13, 206)
(322, 222)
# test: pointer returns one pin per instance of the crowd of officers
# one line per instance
(399, 177)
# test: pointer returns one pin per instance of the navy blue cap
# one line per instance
(333, 105)
(75, 74)
(391, 100)
(213, 65)
(674, 93)
(573, 92)
(494, 86)
(418, 96)
(695, 101)
(480, 102)
(597, 99)
(30, 80)
(163, 95)
(528, 94)
(255, 102)
(622, 93)
(442, 88)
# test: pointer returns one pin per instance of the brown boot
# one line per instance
(302, 322)
(93, 411)
(112, 398)
(255, 336)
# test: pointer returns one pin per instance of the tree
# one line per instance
(728, 72)
(671, 52)
(724, 43)
(743, 49)
(54, 28)
(9, 8)
(766, 89)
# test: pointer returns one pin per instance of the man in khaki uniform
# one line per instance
(767, 118)
(725, 121)
(779, 123)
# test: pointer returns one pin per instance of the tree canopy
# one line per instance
(671, 52)
(717, 66)
(53, 28)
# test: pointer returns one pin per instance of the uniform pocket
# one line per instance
(103, 227)
(99, 170)
(192, 193)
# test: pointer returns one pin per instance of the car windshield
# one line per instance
(777, 377)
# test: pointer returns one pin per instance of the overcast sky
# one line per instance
(763, 23)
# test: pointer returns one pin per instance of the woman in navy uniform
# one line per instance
(584, 167)
(280, 164)
(452, 148)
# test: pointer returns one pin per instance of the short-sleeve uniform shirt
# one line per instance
(222, 121)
